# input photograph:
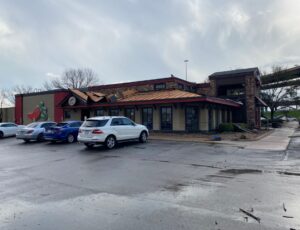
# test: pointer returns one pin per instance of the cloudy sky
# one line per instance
(127, 40)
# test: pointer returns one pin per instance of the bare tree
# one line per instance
(19, 89)
(278, 89)
(2, 103)
(73, 78)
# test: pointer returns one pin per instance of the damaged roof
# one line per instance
(160, 95)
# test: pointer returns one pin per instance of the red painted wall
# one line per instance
(58, 111)
(19, 110)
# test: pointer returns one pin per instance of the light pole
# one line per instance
(186, 61)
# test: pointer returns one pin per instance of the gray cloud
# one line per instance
(135, 39)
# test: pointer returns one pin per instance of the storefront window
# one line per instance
(191, 119)
(114, 112)
(129, 113)
(166, 118)
(99, 112)
(67, 114)
(147, 117)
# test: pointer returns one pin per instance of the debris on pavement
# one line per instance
(250, 214)
(283, 206)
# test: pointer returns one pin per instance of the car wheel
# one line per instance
(40, 137)
(70, 138)
(143, 137)
(110, 142)
(88, 145)
(1, 135)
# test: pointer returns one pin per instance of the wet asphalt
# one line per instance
(157, 185)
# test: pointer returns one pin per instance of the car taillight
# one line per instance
(97, 131)
(30, 131)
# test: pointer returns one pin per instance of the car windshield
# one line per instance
(32, 125)
(61, 124)
(95, 123)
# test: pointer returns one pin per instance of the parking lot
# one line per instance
(157, 185)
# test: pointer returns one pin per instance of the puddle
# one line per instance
(240, 171)
(175, 187)
(205, 166)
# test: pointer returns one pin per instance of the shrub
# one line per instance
(226, 127)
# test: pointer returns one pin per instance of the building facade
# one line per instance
(165, 104)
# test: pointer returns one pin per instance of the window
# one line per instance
(166, 118)
(126, 121)
(116, 122)
(180, 86)
(67, 114)
(130, 113)
(33, 125)
(223, 115)
(47, 125)
(147, 117)
(235, 92)
(191, 119)
(99, 112)
(95, 123)
(159, 86)
(62, 124)
(75, 125)
(9, 125)
(114, 112)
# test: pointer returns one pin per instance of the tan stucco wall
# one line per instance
(156, 118)
(178, 118)
(203, 119)
(8, 114)
(31, 102)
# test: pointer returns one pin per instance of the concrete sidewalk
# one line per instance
(278, 140)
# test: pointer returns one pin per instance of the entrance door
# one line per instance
(147, 117)
(191, 119)
(85, 113)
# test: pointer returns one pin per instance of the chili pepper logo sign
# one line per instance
(39, 113)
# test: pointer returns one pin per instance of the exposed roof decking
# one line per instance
(160, 95)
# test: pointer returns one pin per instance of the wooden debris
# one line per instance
(284, 207)
(251, 215)
(288, 217)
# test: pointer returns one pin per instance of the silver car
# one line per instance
(34, 131)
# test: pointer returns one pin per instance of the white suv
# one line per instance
(110, 130)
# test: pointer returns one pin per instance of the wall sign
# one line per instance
(72, 101)
(39, 113)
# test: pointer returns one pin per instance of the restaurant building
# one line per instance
(164, 104)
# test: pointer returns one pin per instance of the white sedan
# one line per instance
(110, 130)
(8, 129)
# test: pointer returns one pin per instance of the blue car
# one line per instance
(65, 131)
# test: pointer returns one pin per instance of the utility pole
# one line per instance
(186, 61)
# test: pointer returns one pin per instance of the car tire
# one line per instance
(110, 142)
(53, 142)
(26, 141)
(70, 138)
(40, 137)
(1, 135)
(143, 137)
(89, 146)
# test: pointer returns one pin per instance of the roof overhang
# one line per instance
(212, 100)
